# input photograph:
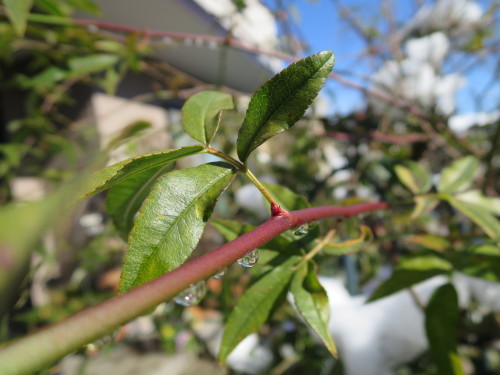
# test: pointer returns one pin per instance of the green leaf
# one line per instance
(171, 221)
(18, 11)
(312, 303)
(255, 305)
(477, 198)
(349, 246)
(108, 177)
(459, 175)
(482, 217)
(45, 79)
(430, 241)
(201, 114)
(87, 6)
(125, 199)
(414, 176)
(285, 197)
(280, 102)
(409, 272)
(441, 326)
(482, 261)
(423, 205)
(91, 63)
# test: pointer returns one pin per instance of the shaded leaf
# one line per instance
(108, 177)
(91, 63)
(441, 326)
(414, 177)
(255, 305)
(482, 217)
(349, 246)
(171, 221)
(124, 200)
(312, 303)
(482, 261)
(409, 272)
(18, 11)
(201, 114)
(280, 102)
(430, 241)
(459, 175)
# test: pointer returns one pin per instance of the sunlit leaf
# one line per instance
(123, 200)
(410, 272)
(430, 241)
(18, 11)
(475, 197)
(423, 205)
(201, 114)
(312, 303)
(482, 217)
(91, 63)
(459, 175)
(255, 305)
(441, 326)
(108, 177)
(414, 177)
(171, 221)
(280, 102)
(45, 79)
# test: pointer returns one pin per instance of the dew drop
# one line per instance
(250, 259)
(302, 230)
(192, 295)
(219, 274)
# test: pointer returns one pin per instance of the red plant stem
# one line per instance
(42, 348)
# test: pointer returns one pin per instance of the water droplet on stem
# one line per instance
(192, 295)
(302, 230)
(250, 259)
(219, 274)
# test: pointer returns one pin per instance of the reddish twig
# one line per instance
(31, 353)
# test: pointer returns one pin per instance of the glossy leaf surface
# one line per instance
(409, 272)
(171, 221)
(441, 325)
(201, 114)
(124, 200)
(255, 305)
(312, 303)
(459, 175)
(280, 102)
(108, 177)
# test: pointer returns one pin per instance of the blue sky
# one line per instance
(323, 30)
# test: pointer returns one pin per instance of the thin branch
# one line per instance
(42, 348)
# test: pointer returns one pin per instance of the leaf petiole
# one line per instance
(243, 169)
